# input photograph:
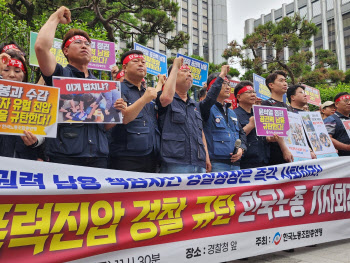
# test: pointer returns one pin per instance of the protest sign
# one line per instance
(103, 53)
(260, 87)
(313, 95)
(64, 213)
(346, 124)
(270, 121)
(232, 99)
(198, 68)
(317, 134)
(156, 62)
(88, 100)
(28, 107)
(296, 140)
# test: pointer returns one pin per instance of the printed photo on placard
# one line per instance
(317, 134)
(88, 100)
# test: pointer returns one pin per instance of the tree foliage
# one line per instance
(131, 20)
(293, 33)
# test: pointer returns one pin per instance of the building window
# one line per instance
(329, 4)
(316, 8)
(291, 14)
(195, 49)
(184, 4)
(278, 19)
(205, 23)
(319, 33)
(303, 11)
(344, 1)
(195, 20)
(346, 21)
(185, 28)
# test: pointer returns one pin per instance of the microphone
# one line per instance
(237, 145)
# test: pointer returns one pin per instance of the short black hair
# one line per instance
(241, 85)
(292, 90)
(129, 53)
(340, 94)
(273, 76)
(202, 93)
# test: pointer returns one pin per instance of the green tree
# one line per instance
(291, 32)
(131, 20)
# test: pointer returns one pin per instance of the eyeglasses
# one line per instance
(80, 42)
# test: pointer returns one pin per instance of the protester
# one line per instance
(13, 67)
(114, 72)
(222, 129)
(258, 149)
(78, 144)
(135, 144)
(297, 97)
(183, 144)
(335, 127)
(12, 45)
(327, 109)
(298, 100)
(277, 84)
(202, 93)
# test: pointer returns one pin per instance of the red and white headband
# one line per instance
(212, 82)
(120, 75)
(244, 89)
(8, 47)
(16, 63)
(131, 57)
(344, 97)
(69, 41)
(185, 67)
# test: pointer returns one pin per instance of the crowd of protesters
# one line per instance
(164, 129)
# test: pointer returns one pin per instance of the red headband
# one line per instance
(7, 47)
(244, 89)
(212, 82)
(69, 41)
(185, 67)
(16, 63)
(120, 75)
(132, 56)
(344, 97)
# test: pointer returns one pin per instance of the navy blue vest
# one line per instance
(76, 140)
(182, 127)
(221, 135)
(140, 136)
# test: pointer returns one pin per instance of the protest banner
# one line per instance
(313, 95)
(346, 124)
(232, 99)
(270, 121)
(63, 213)
(156, 62)
(296, 140)
(317, 134)
(28, 107)
(198, 68)
(88, 100)
(103, 53)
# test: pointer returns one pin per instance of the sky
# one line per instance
(240, 10)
